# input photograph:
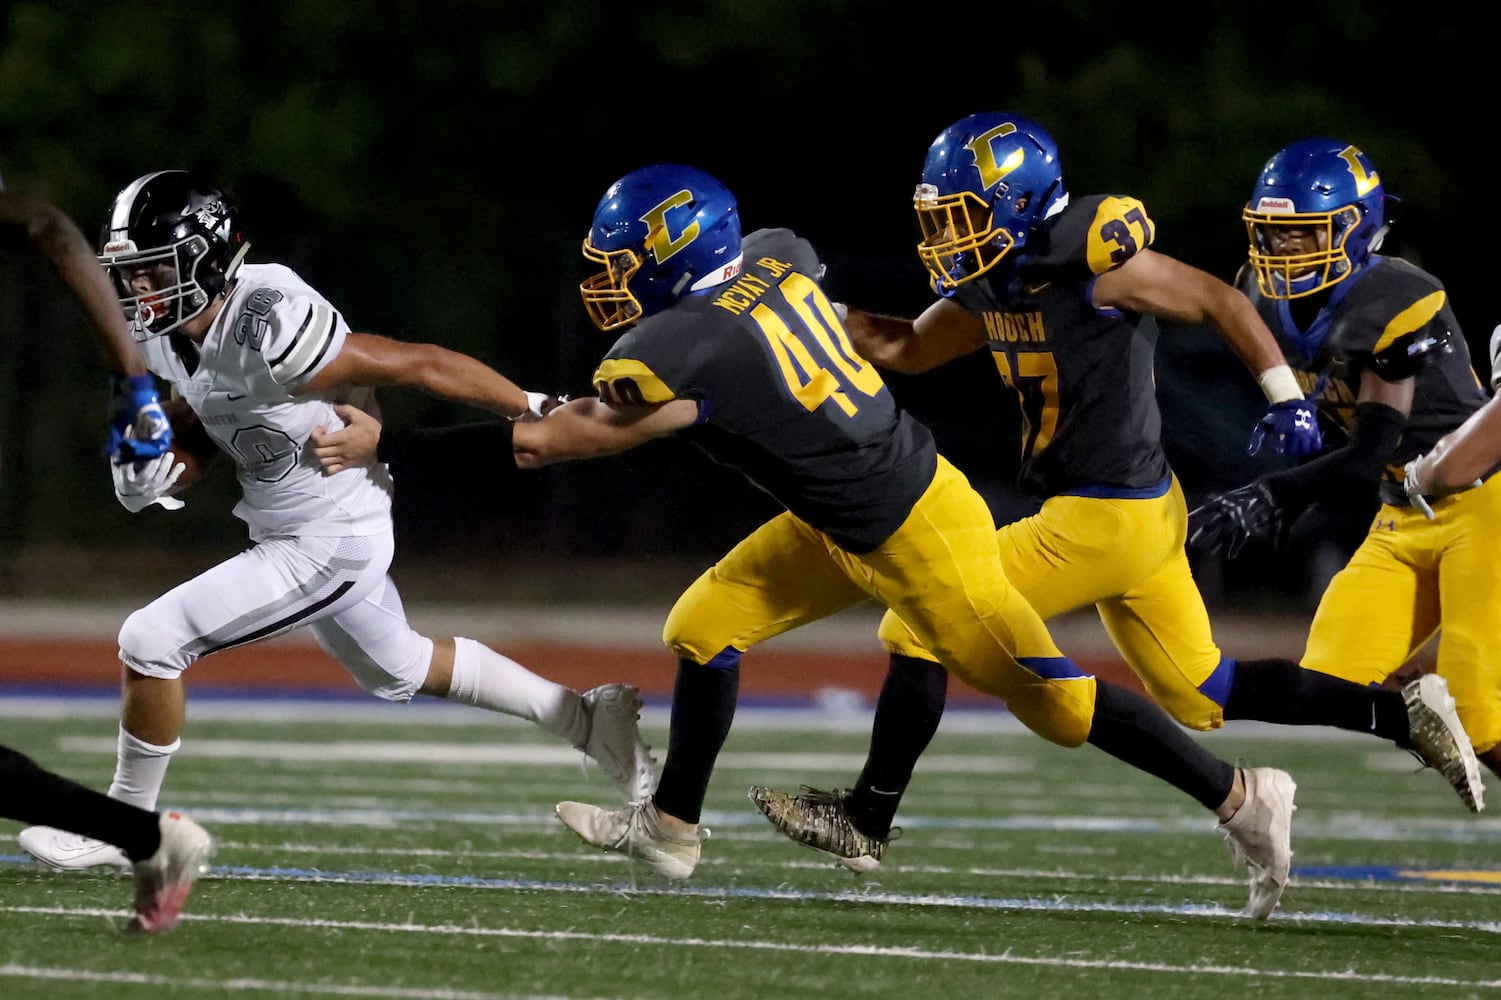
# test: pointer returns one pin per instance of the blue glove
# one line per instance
(1226, 521)
(135, 405)
(1293, 427)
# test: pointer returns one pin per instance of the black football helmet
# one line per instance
(171, 244)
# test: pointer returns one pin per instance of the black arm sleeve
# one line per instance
(1354, 469)
(444, 446)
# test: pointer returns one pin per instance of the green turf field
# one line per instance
(409, 855)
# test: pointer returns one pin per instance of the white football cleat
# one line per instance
(1259, 836)
(614, 740)
(70, 852)
(635, 830)
(164, 879)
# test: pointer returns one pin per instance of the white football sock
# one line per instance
(140, 769)
(490, 680)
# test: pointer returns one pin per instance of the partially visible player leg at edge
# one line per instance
(166, 851)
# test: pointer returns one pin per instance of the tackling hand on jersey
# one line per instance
(352, 445)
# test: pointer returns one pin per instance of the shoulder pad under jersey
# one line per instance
(1100, 231)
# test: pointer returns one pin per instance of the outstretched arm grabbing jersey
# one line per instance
(581, 428)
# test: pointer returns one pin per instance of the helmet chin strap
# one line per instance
(235, 262)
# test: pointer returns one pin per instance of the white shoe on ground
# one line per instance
(164, 879)
(1259, 836)
(70, 852)
(635, 830)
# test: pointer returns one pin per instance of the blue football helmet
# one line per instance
(172, 244)
(1316, 214)
(987, 184)
(662, 233)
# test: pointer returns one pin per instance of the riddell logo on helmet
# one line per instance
(1274, 206)
(120, 246)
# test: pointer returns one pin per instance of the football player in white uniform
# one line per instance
(262, 358)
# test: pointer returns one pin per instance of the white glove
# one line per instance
(539, 405)
(1414, 494)
(138, 485)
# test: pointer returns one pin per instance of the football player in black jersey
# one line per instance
(733, 345)
(167, 850)
(1064, 292)
(1377, 337)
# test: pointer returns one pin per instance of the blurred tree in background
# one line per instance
(432, 169)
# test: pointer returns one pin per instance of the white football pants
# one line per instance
(335, 586)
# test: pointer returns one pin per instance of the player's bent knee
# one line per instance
(1061, 712)
(400, 680)
(896, 638)
(1189, 708)
(694, 643)
(396, 689)
(143, 650)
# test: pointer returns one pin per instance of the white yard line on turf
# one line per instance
(1342, 974)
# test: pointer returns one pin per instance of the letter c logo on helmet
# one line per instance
(983, 148)
(660, 241)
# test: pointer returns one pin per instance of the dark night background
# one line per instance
(433, 168)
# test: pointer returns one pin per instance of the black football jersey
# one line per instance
(783, 396)
(1385, 300)
(1083, 376)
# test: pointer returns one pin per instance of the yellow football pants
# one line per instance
(939, 571)
(1410, 578)
(1126, 558)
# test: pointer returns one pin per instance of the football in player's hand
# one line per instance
(191, 444)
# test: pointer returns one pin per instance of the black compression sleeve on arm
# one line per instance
(444, 445)
(1354, 468)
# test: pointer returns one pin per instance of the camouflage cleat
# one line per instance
(819, 820)
(1437, 738)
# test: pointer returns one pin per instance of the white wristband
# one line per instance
(1280, 384)
(534, 403)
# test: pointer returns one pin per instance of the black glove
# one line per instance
(1226, 521)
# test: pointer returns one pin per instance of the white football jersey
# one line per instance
(273, 335)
